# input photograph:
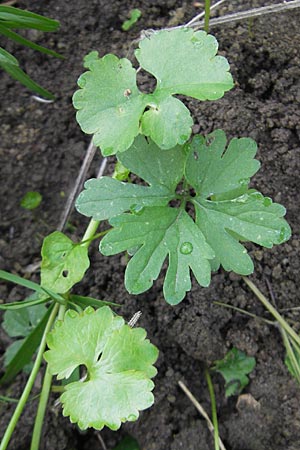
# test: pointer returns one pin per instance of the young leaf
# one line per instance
(31, 200)
(118, 381)
(158, 233)
(234, 367)
(20, 323)
(135, 14)
(63, 262)
(109, 103)
(111, 106)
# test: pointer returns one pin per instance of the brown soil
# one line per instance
(42, 149)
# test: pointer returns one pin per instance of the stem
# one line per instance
(213, 408)
(23, 399)
(207, 15)
(90, 232)
(291, 354)
(272, 310)
(96, 236)
(39, 420)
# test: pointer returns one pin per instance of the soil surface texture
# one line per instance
(42, 149)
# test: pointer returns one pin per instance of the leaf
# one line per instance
(160, 232)
(208, 210)
(168, 122)
(250, 217)
(185, 62)
(118, 381)
(211, 170)
(31, 200)
(64, 263)
(17, 18)
(11, 65)
(128, 443)
(21, 322)
(21, 40)
(111, 107)
(234, 367)
(109, 103)
(26, 350)
(135, 14)
(90, 301)
(30, 285)
(105, 197)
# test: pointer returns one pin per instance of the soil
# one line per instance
(42, 149)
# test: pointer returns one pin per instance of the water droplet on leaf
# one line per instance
(186, 248)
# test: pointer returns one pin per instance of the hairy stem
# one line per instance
(213, 409)
(23, 399)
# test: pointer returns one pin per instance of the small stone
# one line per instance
(276, 272)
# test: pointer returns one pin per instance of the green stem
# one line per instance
(39, 420)
(207, 15)
(23, 399)
(90, 232)
(213, 409)
(96, 236)
(272, 310)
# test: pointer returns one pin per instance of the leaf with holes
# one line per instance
(234, 368)
(111, 107)
(105, 197)
(119, 363)
(64, 262)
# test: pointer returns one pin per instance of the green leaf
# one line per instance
(21, 322)
(157, 233)
(234, 367)
(21, 40)
(203, 178)
(250, 217)
(111, 107)
(109, 103)
(211, 170)
(30, 285)
(106, 197)
(118, 382)
(11, 65)
(185, 62)
(64, 263)
(26, 350)
(31, 200)
(128, 443)
(168, 122)
(135, 14)
(17, 18)
(90, 301)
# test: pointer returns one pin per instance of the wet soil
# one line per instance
(42, 149)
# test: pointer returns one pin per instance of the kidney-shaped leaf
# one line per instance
(119, 362)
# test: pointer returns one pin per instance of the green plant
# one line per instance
(31, 200)
(14, 18)
(195, 210)
(135, 14)
(234, 367)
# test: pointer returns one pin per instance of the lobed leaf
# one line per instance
(185, 62)
(159, 232)
(64, 263)
(109, 103)
(118, 360)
